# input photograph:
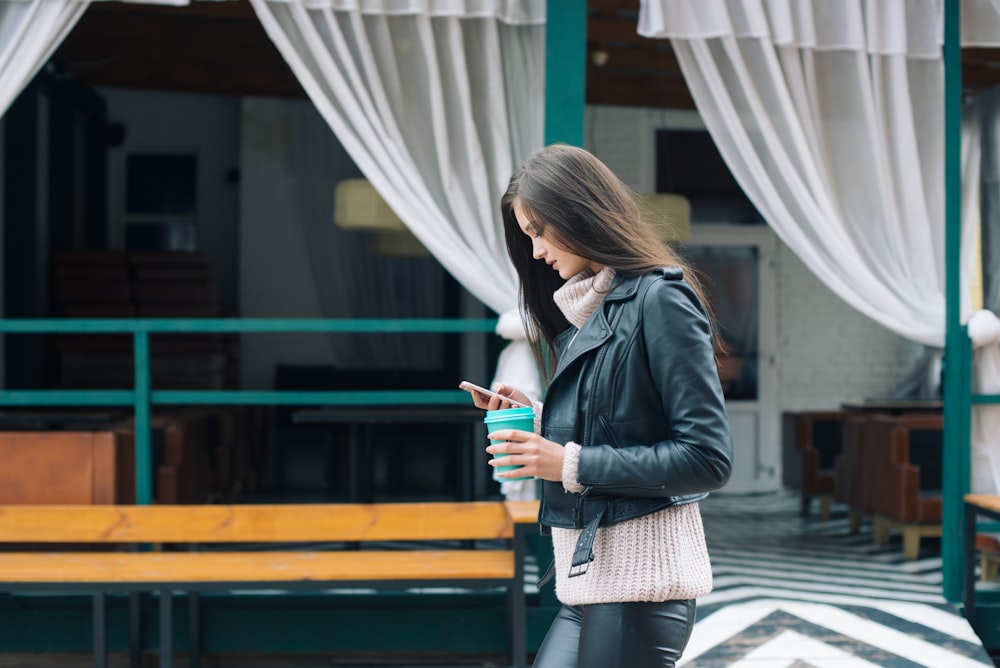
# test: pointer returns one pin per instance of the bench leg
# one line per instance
(989, 567)
(881, 528)
(968, 563)
(855, 521)
(100, 630)
(911, 541)
(134, 629)
(516, 604)
(825, 506)
(518, 618)
(194, 631)
(805, 503)
(166, 630)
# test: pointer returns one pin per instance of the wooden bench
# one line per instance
(156, 549)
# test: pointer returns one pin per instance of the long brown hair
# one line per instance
(585, 207)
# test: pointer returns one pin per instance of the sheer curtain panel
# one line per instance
(30, 30)
(829, 115)
(437, 102)
(350, 281)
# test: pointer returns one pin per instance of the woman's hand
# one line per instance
(538, 456)
(494, 403)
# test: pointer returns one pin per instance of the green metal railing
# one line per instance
(142, 397)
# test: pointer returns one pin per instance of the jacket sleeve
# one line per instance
(695, 453)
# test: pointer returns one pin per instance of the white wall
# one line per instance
(828, 352)
(207, 126)
(625, 139)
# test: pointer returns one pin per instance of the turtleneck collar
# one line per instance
(580, 296)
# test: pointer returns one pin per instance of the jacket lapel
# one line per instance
(595, 331)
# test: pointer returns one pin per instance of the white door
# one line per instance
(738, 265)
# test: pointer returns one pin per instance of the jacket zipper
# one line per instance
(578, 507)
(597, 368)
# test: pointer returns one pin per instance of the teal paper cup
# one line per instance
(509, 418)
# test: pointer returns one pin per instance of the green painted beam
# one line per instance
(957, 356)
(473, 623)
(325, 398)
(260, 325)
(142, 412)
(234, 397)
(565, 71)
(66, 397)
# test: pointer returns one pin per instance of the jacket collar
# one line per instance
(598, 329)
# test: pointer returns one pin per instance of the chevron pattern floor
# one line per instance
(793, 592)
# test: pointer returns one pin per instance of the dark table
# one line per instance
(360, 421)
(895, 406)
(974, 505)
(40, 420)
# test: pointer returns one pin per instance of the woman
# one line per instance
(633, 431)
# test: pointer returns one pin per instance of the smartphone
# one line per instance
(472, 387)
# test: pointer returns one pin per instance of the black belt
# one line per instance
(584, 553)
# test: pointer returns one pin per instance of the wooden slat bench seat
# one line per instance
(398, 546)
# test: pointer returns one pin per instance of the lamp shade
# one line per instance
(397, 244)
(358, 206)
(670, 214)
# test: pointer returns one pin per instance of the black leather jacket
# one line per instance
(638, 389)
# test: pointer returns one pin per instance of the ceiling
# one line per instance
(220, 47)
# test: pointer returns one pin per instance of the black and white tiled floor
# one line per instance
(793, 592)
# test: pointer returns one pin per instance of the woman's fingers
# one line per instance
(539, 457)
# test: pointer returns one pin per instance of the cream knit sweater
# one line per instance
(657, 557)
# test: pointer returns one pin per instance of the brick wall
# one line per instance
(828, 352)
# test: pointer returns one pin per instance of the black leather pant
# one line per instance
(617, 635)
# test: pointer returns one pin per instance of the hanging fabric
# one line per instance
(30, 31)
(436, 102)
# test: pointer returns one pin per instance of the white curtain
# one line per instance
(436, 101)
(980, 20)
(30, 30)
(988, 103)
(830, 116)
(984, 327)
(984, 331)
(351, 281)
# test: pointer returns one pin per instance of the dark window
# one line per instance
(160, 184)
(689, 164)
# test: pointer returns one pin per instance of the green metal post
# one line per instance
(565, 70)
(956, 391)
(143, 435)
